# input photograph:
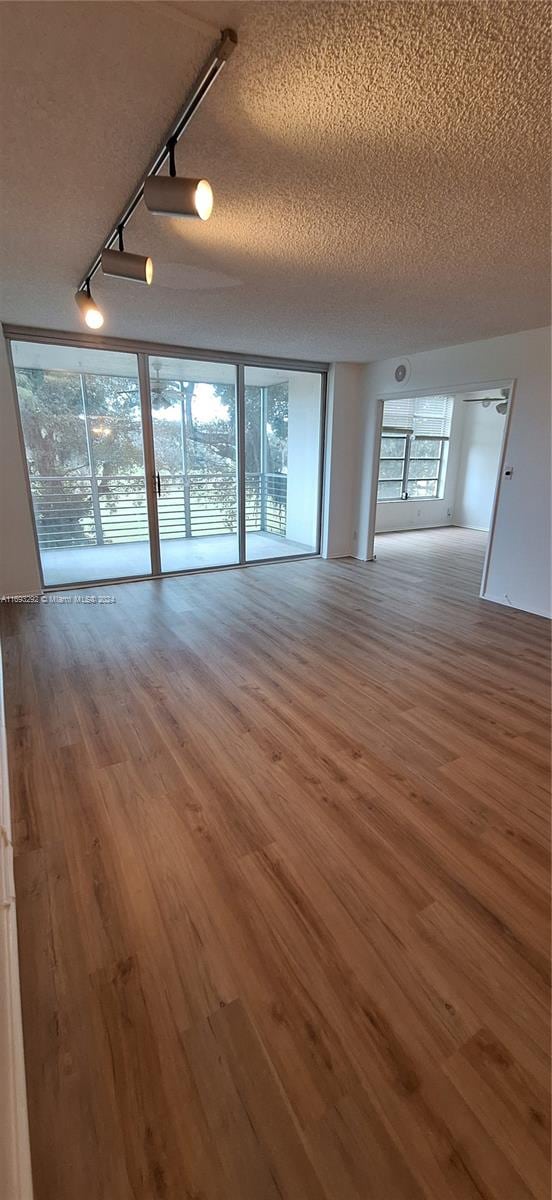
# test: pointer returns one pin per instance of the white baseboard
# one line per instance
(417, 528)
(15, 1157)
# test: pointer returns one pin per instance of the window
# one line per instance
(414, 448)
(82, 425)
(282, 461)
(204, 464)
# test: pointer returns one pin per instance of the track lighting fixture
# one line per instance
(89, 309)
(127, 266)
(165, 194)
(172, 196)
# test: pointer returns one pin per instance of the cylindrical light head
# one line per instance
(90, 311)
(172, 196)
(127, 266)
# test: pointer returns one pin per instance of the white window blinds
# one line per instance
(426, 416)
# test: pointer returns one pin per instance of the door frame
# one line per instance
(149, 464)
(144, 351)
(240, 463)
(92, 341)
(454, 390)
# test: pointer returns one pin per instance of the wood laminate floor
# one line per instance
(282, 873)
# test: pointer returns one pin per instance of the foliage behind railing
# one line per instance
(93, 511)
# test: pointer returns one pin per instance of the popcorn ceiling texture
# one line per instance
(380, 170)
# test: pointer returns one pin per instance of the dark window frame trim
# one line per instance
(409, 436)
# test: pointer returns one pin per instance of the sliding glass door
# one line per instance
(146, 464)
(283, 434)
(194, 416)
(82, 427)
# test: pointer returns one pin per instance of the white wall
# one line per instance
(341, 460)
(424, 514)
(519, 567)
(19, 571)
(482, 433)
(303, 458)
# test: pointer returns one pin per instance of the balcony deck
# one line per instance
(82, 563)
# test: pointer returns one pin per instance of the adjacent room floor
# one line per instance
(282, 873)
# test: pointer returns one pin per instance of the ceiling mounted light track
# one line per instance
(183, 197)
(125, 265)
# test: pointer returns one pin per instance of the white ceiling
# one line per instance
(380, 171)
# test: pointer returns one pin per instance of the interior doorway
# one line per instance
(440, 465)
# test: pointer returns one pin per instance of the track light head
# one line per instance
(89, 309)
(127, 266)
(172, 196)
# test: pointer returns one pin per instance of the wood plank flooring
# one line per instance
(282, 883)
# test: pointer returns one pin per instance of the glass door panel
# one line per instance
(282, 462)
(194, 419)
(82, 427)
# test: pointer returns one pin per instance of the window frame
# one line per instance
(410, 438)
(145, 351)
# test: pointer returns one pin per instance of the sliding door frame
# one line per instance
(240, 450)
(149, 463)
(144, 351)
(23, 449)
(90, 341)
(321, 456)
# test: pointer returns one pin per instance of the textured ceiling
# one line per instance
(380, 171)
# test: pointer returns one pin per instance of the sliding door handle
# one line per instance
(158, 478)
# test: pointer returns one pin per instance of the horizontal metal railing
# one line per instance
(266, 503)
(85, 510)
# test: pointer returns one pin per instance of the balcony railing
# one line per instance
(95, 511)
